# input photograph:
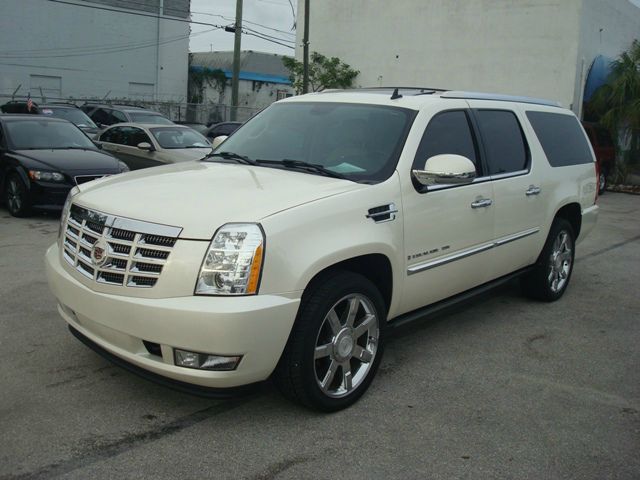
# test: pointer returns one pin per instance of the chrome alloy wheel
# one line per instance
(14, 195)
(346, 345)
(560, 262)
(602, 182)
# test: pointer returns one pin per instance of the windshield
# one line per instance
(360, 142)
(74, 115)
(44, 135)
(179, 137)
(149, 118)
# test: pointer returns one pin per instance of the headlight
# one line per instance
(123, 167)
(46, 176)
(233, 262)
(67, 207)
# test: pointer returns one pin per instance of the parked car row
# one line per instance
(42, 158)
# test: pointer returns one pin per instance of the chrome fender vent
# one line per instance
(383, 213)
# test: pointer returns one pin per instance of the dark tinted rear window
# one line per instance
(503, 141)
(561, 137)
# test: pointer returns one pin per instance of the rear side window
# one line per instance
(503, 141)
(447, 132)
(561, 137)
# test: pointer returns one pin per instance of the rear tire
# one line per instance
(551, 274)
(16, 196)
(336, 343)
(602, 181)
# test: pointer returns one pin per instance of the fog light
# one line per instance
(205, 361)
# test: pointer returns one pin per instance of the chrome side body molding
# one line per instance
(421, 267)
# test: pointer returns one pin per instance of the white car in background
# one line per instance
(150, 145)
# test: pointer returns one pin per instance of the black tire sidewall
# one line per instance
(559, 225)
(321, 298)
(26, 201)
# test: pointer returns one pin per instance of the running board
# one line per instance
(443, 306)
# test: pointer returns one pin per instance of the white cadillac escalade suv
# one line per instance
(320, 223)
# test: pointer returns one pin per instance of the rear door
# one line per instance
(519, 195)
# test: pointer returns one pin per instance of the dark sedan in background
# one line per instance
(42, 158)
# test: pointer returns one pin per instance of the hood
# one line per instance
(202, 196)
(70, 161)
(174, 155)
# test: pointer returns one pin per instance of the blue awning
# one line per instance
(251, 76)
(597, 76)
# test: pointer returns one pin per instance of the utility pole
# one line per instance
(236, 61)
(305, 46)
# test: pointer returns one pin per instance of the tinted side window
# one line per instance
(118, 117)
(503, 141)
(113, 135)
(447, 132)
(561, 137)
(101, 116)
(138, 136)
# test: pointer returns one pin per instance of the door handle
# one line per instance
(532, 190)
(482, 203)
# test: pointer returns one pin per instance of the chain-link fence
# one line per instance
(183, 112)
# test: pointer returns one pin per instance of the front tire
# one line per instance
(551, 274)
(335, 346)
(16, 196)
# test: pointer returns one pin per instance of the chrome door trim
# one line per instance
(516, 236)
(421, 267)
(449, 258)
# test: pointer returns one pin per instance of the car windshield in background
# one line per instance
(44, 135)
(149, 118)
(74, 115)
(360, 142)
(179, 137)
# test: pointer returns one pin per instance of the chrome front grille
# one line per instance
(116, 250)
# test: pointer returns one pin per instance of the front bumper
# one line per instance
(256, 327)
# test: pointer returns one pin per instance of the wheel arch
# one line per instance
(376, 267)
(571, 212)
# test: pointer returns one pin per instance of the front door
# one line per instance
(448, 229)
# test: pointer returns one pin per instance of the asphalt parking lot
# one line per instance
(505, 388)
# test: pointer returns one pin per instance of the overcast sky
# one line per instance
(275, 14)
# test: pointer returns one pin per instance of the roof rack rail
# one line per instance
(417, 90)
(500, 98)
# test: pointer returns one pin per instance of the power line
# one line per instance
(140, 14)
(244, 21)
(266, 39)
(95, 7)
(269, 36)
(107, 51)
(21, 53)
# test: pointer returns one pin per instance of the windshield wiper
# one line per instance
(230, 156)
(300, 165)
(72, 148)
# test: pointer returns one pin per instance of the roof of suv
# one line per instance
(412, 97)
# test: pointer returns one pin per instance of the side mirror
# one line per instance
(146, 146)
(218, 140)
(446, 169)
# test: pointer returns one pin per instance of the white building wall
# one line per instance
(59, 43)
(524, 47)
